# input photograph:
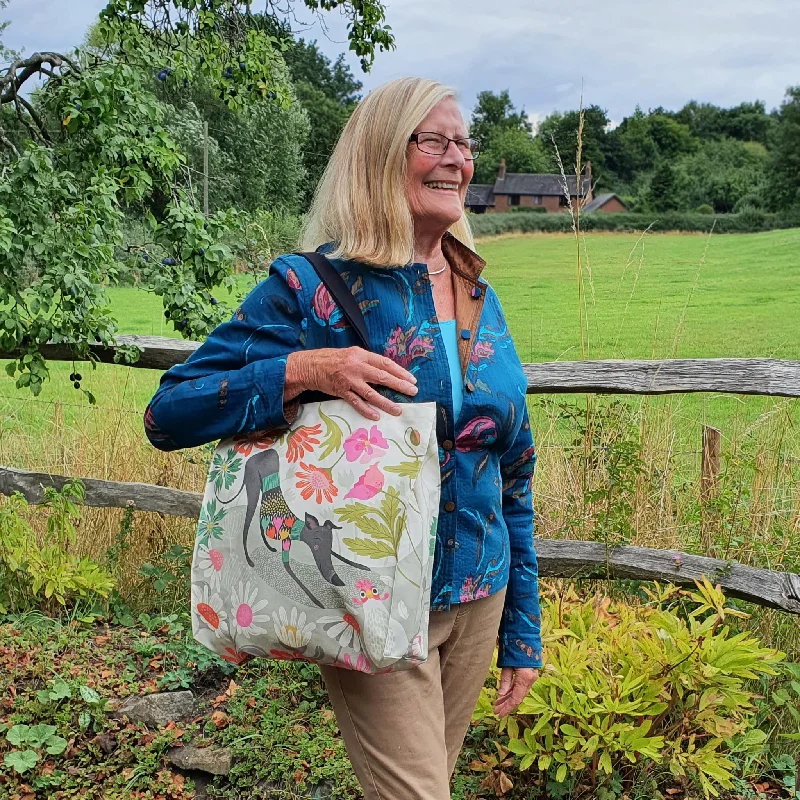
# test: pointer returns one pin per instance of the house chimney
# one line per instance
(501, 170)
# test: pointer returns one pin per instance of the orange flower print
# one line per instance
(301, 441)
(316, 480)
(245, 443)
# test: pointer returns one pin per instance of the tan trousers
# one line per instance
(404, 730)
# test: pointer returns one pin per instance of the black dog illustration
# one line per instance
(279, 525)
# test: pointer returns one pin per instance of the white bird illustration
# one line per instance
(379, 633)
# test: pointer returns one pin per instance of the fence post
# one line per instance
(709, 476)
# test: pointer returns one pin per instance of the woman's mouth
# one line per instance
(443, 186)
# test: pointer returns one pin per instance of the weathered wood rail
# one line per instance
(563, 558)
(557, 558)
(759, 376)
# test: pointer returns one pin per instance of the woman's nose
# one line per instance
(453, 155)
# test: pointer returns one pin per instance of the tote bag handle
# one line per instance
(340, 293)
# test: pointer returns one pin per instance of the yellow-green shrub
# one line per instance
(626, 684)
(34, 575)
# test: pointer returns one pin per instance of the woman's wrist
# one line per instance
(295, 376)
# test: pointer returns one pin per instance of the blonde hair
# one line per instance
(360, 203)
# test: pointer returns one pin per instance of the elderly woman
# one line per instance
(389, 213)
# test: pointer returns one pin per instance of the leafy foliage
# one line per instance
(47, 575)
(626, 686)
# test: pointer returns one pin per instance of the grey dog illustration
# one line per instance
(278, 524)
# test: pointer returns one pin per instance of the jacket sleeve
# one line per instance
(519, 640)
(233, 383)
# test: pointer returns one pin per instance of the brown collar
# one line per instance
(463, 261)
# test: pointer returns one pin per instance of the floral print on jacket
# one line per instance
(232, 385)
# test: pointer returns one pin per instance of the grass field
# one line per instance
(654, 297)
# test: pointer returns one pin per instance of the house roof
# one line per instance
(480, 194)
(525, 183)
(600, 201)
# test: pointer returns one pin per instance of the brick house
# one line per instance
(519, 189)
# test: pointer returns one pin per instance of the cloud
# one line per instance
(618, 53)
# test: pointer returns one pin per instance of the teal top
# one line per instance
(448, 328)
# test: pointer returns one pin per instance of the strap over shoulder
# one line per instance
(340, 293)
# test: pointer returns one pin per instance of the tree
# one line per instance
(561, 130)
(663, 194)
(327, 91)
(720, 173)
(494, 113)
(504, 133)
(94, 144)
(783, 169)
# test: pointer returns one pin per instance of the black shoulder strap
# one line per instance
(341, 295)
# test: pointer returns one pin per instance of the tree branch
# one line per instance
(24, 68)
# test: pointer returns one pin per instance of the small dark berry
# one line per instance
(72, 376)
(214, 301)
(77, 384)
(242, 66)
(200, 251)
(168, 262)
(205, 225)
(166, 315)
(78, 376)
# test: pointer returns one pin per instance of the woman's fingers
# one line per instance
(360, 405)
(378, 376)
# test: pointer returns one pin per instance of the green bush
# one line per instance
(528, 209)
(46, 576)
(634, 689)
(704, 208)
(749, 221)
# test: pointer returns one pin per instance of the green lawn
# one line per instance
(737, 295)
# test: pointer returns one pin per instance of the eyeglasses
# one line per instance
(436, 144)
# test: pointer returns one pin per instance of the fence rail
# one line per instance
(557, 558)
(757, 376)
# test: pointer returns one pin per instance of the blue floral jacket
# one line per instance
(233, 384)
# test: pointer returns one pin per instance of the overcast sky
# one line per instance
(624, 52)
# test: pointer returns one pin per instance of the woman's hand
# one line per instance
(514, 686)
(347, 372)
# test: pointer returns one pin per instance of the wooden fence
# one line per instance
(557, 558)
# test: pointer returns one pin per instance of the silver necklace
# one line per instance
(438, 271)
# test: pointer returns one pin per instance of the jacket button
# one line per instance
(469, 386)
(465, 334)
(490, 517)
(449, 506)
(447, 445)
(451, 542)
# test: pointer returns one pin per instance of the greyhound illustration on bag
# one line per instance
(279, 524)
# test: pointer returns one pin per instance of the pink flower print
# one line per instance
(324, 310)
(293, 280)
(471, 591)
(367, 445)
(404, 347)
(477, 434)
(482, 349)
(361, 664)
(368, 485)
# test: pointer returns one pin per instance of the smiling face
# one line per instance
(436, 185)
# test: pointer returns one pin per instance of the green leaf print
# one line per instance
(224, 469)
(393, 514)
(408, 469)
(358, 514)
(333, 436)
(369, 549)
(209, 525)
(434, 523)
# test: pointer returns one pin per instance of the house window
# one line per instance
(513, 199)
(537, 199)
(562, 201)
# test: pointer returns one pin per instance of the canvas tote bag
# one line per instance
(316, 543)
